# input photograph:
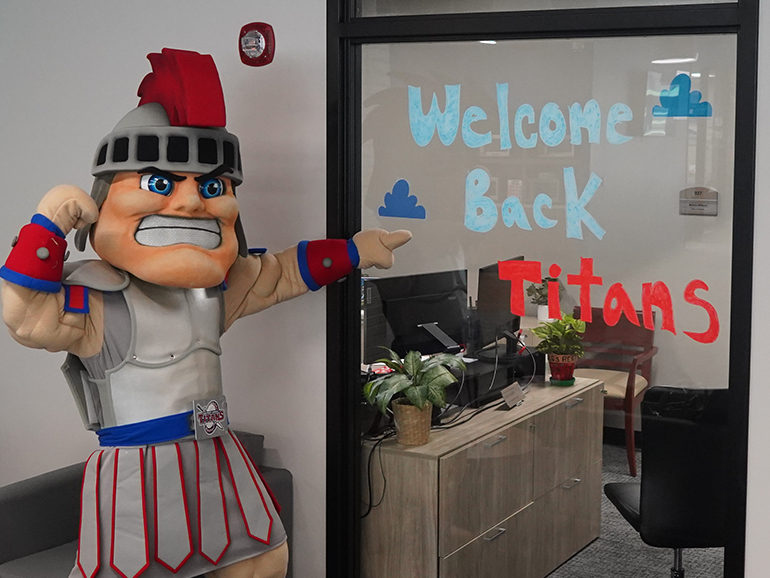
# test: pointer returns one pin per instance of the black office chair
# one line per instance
(680, 502)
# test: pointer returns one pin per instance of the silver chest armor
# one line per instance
(173, 358)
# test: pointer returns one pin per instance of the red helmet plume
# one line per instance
(187, 85)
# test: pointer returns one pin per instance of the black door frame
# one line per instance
(345, 35)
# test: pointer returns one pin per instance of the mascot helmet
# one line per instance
(177, 127)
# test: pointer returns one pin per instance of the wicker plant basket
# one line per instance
(412, 423)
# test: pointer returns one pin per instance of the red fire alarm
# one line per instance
(256, 44)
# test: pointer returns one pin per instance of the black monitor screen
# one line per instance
(405, 303)
(493, 306)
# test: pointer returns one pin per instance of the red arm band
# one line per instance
(37, 258)
(323, 262)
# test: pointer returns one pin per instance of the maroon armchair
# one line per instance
(621, 356)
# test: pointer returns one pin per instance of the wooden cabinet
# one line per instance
(568, 517)
(505, 551)
(510, 493)
(567, 439)
(486, 470)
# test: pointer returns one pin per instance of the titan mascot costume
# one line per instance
(171, 492)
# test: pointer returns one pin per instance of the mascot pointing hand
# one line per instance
(171, 491)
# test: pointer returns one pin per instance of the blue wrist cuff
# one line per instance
(43, 221)
(304, 270)
(29, 282)
(355, 258)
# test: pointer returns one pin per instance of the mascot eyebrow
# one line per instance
(221, 169)
(161, 172)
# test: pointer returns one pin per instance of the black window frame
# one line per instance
(345, 36)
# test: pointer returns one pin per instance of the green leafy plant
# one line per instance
(539, 292)
(561, 336)
(416, 380)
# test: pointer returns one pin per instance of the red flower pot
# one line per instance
(562, 367)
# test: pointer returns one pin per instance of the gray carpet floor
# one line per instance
(620, 553)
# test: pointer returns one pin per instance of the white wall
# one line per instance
(69, 72)
(758, 511)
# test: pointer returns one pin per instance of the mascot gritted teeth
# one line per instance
(162, 231)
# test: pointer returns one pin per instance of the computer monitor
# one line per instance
(426, 312)
(395, 311)
(494, 320)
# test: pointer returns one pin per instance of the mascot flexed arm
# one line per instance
(171, 492)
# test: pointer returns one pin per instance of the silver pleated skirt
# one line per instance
(173, 510)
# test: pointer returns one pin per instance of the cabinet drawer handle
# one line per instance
(574, 402)
(571, 484)
(500, 532)
(499, 439)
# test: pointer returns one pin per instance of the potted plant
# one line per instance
(562, 341)
(538, 294)
(411, 390)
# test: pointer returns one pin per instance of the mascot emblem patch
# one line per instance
(210, 417)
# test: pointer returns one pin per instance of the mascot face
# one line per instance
(172, 229)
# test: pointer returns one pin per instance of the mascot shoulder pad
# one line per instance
(95, 274)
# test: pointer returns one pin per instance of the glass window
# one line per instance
(606, 164)
(618, 151)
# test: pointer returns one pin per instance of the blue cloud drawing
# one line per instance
(679, 101)
(400, 203)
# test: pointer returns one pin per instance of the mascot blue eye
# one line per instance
(211, 188)
(157, 184)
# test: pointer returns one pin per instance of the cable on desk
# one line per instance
(371, 505)
(491, 383)
(451, 403)
(452, 423)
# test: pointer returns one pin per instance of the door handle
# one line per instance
(499, 439)
(500, 532)
(573, 402)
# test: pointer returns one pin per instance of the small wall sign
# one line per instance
(698, 201)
